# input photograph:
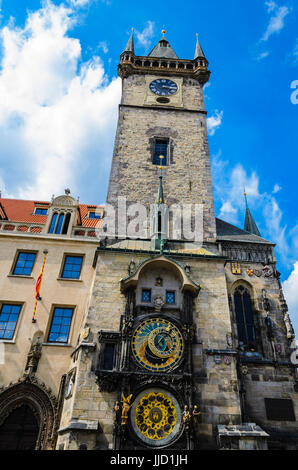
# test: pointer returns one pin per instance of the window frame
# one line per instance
(74, 255)
(246, 326)
(147, 290)
(12, 303)
(50, 323)
(41, 209)
(175, 297)
(16, 257)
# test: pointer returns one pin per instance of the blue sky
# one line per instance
(59, 93)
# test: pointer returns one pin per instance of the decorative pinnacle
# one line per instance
(163, 33)
(161, 157)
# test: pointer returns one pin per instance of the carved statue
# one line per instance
(117, 411)
(34, 355)
(125, 408)
(186, 417)
(195, 415)
(289, 326)
(269, 325)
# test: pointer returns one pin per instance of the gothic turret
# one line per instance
(249, 224)
(130, 47)
(199, 51)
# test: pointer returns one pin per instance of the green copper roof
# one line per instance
(160, 195)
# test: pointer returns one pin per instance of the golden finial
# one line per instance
(197, 34)
(163, 33)
(132, 29)
(161, 157)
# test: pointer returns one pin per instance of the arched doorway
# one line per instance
(28, 411)
(20, 430)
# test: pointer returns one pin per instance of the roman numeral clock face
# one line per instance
(157, 345)
(163, 87)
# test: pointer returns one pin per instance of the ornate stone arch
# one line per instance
(187, 284)
(29, 391)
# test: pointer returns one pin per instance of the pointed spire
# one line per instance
(249, 225)
(130, 45)
(199, 51)
(163, 49)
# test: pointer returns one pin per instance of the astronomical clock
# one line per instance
(153, 372)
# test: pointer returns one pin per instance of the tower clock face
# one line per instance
(157, 345)
(163, 87)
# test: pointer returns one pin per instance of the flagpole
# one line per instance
(38, 284)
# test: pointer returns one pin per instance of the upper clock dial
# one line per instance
(157, 345)
(163, 87)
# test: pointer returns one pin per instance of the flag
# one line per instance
(37, 287)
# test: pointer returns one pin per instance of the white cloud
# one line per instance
(57, 116)
(229, 188)
(145, 37)
(262, 55)
(276, 22)
(276, 188)
(80, 3)
(290, 288)
(104, 46)
(214, 122)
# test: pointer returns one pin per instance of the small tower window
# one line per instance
(161, 149)
(146, 295)
(108, 357)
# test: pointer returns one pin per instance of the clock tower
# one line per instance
(162, 113)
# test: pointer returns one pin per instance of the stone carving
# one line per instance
(131, 267)
(158, 301)
(289, 326)
(269, 326)
(34, 354)
(267, 271)
(71, 376)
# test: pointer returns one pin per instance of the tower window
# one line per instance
(8, 320)
(59, 224)
(170, 297)
(146, 295)
(161, 149)
(60, 326)
(244, 317)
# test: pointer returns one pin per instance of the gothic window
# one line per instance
(60, 326)
(24, 264)
(53, 223)
(244, 317)
(8, 320)
(161, 147)
(72, 267)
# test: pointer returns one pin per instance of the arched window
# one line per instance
(53, 223)
(59, 224)
(244, 317)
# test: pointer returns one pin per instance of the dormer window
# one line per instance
(94, 215)
(59, 223)
(40, 211)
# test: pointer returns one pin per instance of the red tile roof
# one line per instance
(19, 210)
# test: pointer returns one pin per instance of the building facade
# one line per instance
(158, 341)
